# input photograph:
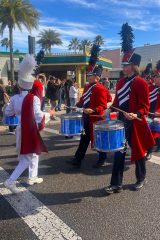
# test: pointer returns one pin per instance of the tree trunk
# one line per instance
(11, 54)
(50, 50)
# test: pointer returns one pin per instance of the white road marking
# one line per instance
(155, 159)
(42, 221)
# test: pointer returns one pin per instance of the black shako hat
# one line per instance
(131, 58)
(97, 71)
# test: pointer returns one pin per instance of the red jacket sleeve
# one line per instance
(101, 100)
(142, 95)
(80, 103)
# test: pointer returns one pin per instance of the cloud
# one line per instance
(83, 3)
(133, 3)
(67, 30)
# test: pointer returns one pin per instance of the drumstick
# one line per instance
(154, 113)
(70, 107)
(96, 116)
(151, 113)
(119, 110)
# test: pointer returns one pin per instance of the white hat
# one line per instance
(25, 78)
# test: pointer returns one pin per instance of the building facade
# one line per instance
(5, 65)
(149, 53)
(60, 64)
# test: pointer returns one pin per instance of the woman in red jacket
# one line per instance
(132, 96)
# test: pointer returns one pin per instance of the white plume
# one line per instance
(26, 67)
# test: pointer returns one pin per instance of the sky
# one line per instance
(85, 19)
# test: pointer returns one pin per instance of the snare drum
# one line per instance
(12, 120)
(71, 124)
(109, 136)
(156, 123)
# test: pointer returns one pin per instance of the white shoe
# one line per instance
(11, 186)
(34, 180)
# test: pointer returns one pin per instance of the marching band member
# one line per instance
(132, 96)
(155, 102)
(29, 143)
(94, 102)
(154, 98)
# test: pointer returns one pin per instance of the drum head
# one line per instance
(108, 125)
(71, 116)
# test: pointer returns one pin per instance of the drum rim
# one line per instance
(70, 117)
(98, 126)
(64, 134)
(108, 129)
(113, 150)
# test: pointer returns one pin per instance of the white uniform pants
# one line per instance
(26, 161)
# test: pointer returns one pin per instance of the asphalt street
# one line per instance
(77, 196)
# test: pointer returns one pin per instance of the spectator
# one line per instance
(73, 94)
(105, 83)
(3, 98)
(67, 86)
(111, 85)
(42, 79)
(61, 94)
(52, 94)
(15, 90)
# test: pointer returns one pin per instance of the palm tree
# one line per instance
(15, 13)
(99, 40)
(85, 43)
(5, 43)
(49, 38)
(74, 45)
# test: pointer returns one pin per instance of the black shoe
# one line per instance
(138, 185)
(99, 164)
(74, 162)
(113, 189)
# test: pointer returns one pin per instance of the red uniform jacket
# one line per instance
(141, 136)
(31, 141)
(157, 109)
(98, 102)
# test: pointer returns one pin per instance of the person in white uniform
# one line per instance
(17, 107)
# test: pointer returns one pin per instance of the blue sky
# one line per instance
(87, 18)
